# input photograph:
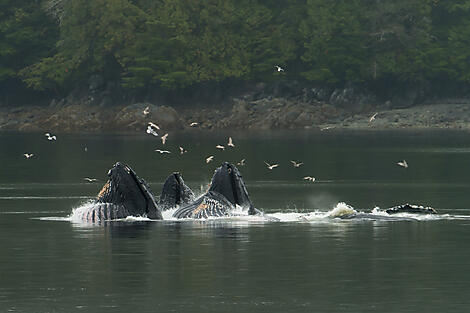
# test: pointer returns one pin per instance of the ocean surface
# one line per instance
(299, 257)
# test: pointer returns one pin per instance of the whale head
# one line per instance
(125, 189)
(228, 182)
(175, 192)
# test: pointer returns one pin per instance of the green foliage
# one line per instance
(173, 44)
(26, 35)
(334, 41)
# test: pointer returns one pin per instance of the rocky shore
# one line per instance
(305, 110)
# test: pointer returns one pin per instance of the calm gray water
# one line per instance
(50, 264)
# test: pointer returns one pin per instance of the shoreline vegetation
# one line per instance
(318, 64)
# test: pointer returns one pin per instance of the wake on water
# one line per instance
(341, 211)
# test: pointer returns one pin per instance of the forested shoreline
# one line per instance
(50, 48)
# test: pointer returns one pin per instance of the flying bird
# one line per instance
(209, 159)
(403, 164)
(90, 180)
(164, 138)
(153, 125)
(193, 124)
(296, 164)
(372, 118)
(146, 111)
(28, 155)
(151, 131)
(162, 151)
(230, 142)
(327, 128)
(271, 166)
(182, 150)
(220, 147)
(241, 163)
(279, 69)
(309, 178)
(50, 137)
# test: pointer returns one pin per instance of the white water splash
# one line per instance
(239, 214)
(341, 209)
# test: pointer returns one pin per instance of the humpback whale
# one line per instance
(124, 194)
(227, 190)
(411, 208)
(175, 193)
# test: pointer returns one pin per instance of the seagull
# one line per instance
(151, 131)
(153, 125)
(193, 124)
(296, 164)
(403, 163)
(220, 147)
(271, 166)
(182, 150)
(86, 149)
(28, 155)
(310, 178)
(50, 137)
(164, 138)
(230, 142)
(162, 151)
(279, 69)
(209, 159)
(326, 128)
(373, 117)
(90, 180)
(146, 111)
(241, 163)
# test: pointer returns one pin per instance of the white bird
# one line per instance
(209, 159)
(50, 137)
(162, 151)
(296, 164)
(373, 117)
(153, 125)
(90, 180)
(309, 178)
(182, 150)
(271, 166)
(241, 163)
(279, 69)
(220, 147)
(403, 164)
(164, 138)
(146, 111)
(193, 124)
(86, 149)
(151, 131)
(28, 155)
(230, 142)
(327, 128)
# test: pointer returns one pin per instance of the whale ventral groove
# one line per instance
(227, 190)
(124, 194)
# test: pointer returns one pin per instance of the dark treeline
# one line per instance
(53, 46)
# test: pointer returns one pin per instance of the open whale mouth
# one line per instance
(228, 182)
(125, 188)
(175, 192)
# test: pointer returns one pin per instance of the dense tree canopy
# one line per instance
(172, 44)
